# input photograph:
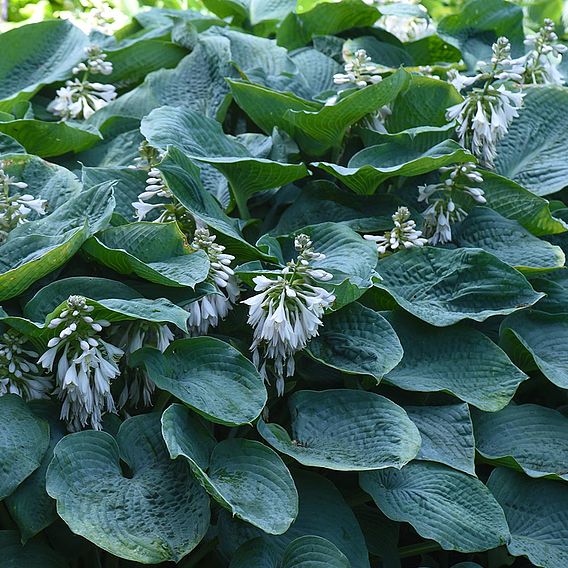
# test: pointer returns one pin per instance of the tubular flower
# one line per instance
(155, 189)
(405, 28)
(80, 98)
(360, 71)
(19, 372)
(545, 55)
(286, 313)
(403, 235)
(211, 309)
(14, 205)
(85, 365)
(484, 116)
(447, 200)
(138, 387)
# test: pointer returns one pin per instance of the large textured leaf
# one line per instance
(314, 127)
(447, 435)
(202, 139)
(537, 513)
(530, 437)
(443, 286)
(345, 430)
(357, 340)
(157, 513)
(372, 166)
(532, 153)
(508, 241)
(31, 555)
(29, 505)
(157, 252)
(35, 249)
(450, 507)
(544, 336)
(210, 376)
(458, 359)
(35, 55)
(478, 24)
(313, 551)
(24, 439)
(323, 512)
(244, 476)
(9, 145)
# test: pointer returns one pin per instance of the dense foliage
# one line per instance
(284, 287)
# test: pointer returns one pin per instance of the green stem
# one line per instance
(418, 549)
(200, 553)
(241, 201)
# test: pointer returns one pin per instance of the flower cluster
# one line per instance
(486, 113)
(211, 309)
(545, 55)
(155, 189)
(360, 71)
(138, 387)
(286, 313)
(404, 234)
(448, 200)
(95, 15)
(80, 98)
(19, 373)
(14, 205)
(85, 365)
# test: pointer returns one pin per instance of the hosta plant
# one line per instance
(283, 285)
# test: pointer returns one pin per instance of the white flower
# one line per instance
(138, 387)
(359, 71)
(15, 206)
(95, 63)
(211, 309)
(449, 199)
(155, 188)
(96, 15)
(403, 235)
(81, 99)
(19, 372)
(85, 365)
(286, 313)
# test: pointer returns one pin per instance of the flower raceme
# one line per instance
(449, 199)
(80, 98)
(360, 71)
(19, 373)
(485, 114)
(212, 308)
(85, 365)
(286, 313)
(403, 235)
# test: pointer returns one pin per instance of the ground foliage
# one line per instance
(424, 424)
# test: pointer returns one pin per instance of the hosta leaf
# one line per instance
(48, 139)
(36, 55)
(244, 476)
(443, 287)
(357, 340)
(37, 248)
(537, 513)
(158, 513)
(479, 24)
(452, 508)
(508, 241)
(157, 252)
(315, 72)
(555, 286)
(345, 430)
(210, 376)
(323, 512)
(528, 437)
(24, 439)
(9, 145)
(256, 552)
(263, 10)
(458, 359)
(424, 103)
(372, 166)
(202, 139)
(517, 203)
(314, 127)
(31, 555)
(532, 153)
(29, 505)
(544, 337)
(313, 551)
(447, 435)
(296, 30)
(386, 51)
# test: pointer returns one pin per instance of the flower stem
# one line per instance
(241, 201)
(418, 549)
